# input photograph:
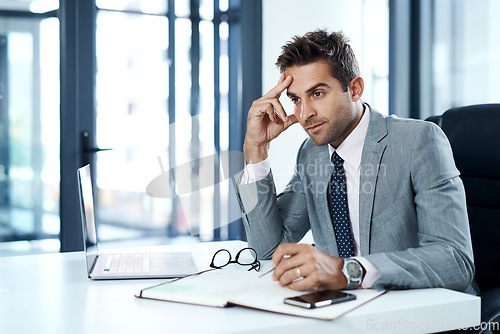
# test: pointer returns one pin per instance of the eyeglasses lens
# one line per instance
(221, 258)
(246, 256)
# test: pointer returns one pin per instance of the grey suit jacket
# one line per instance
(412, 212)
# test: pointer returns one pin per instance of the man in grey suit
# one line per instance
(381, 195)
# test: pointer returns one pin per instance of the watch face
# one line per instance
(353, 269)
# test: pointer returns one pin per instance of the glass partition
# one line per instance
(29, 128)
(155, 88)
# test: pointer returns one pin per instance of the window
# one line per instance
(466, 53)
(169, 78)
(162, 105)
(29, 124)
(444, 54)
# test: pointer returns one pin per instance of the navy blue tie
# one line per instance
(340, 210)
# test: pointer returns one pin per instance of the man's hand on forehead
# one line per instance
(267, 119)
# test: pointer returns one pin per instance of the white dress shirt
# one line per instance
(350, 151)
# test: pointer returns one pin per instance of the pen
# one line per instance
(270, 270)
(267, 272)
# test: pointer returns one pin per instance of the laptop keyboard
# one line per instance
(127, 263)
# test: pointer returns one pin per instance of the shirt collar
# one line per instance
(351, 148)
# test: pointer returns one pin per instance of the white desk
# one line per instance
(51, 294)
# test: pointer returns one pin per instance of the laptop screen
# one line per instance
(87, 216)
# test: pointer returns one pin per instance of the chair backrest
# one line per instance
(474, 135)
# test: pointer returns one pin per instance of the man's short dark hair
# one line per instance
(320, 45)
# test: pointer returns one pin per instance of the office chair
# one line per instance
(474, 135)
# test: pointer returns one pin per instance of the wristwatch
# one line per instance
(353, 271)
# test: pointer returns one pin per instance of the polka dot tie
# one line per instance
(340, 210)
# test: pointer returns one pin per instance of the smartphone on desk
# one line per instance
(320, 299)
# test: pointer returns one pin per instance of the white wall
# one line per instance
(282, 19)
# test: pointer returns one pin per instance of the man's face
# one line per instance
(324, 110)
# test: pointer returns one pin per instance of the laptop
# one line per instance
(124, 265)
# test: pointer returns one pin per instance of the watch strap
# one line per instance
(352, 285)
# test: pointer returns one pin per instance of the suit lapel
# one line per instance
(371, 157)
(321, 180)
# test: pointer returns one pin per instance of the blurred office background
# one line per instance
(164, 83)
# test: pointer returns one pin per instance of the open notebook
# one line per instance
(234, 285)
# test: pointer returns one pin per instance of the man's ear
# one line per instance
(356, 87)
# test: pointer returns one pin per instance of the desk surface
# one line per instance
(52, 294)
